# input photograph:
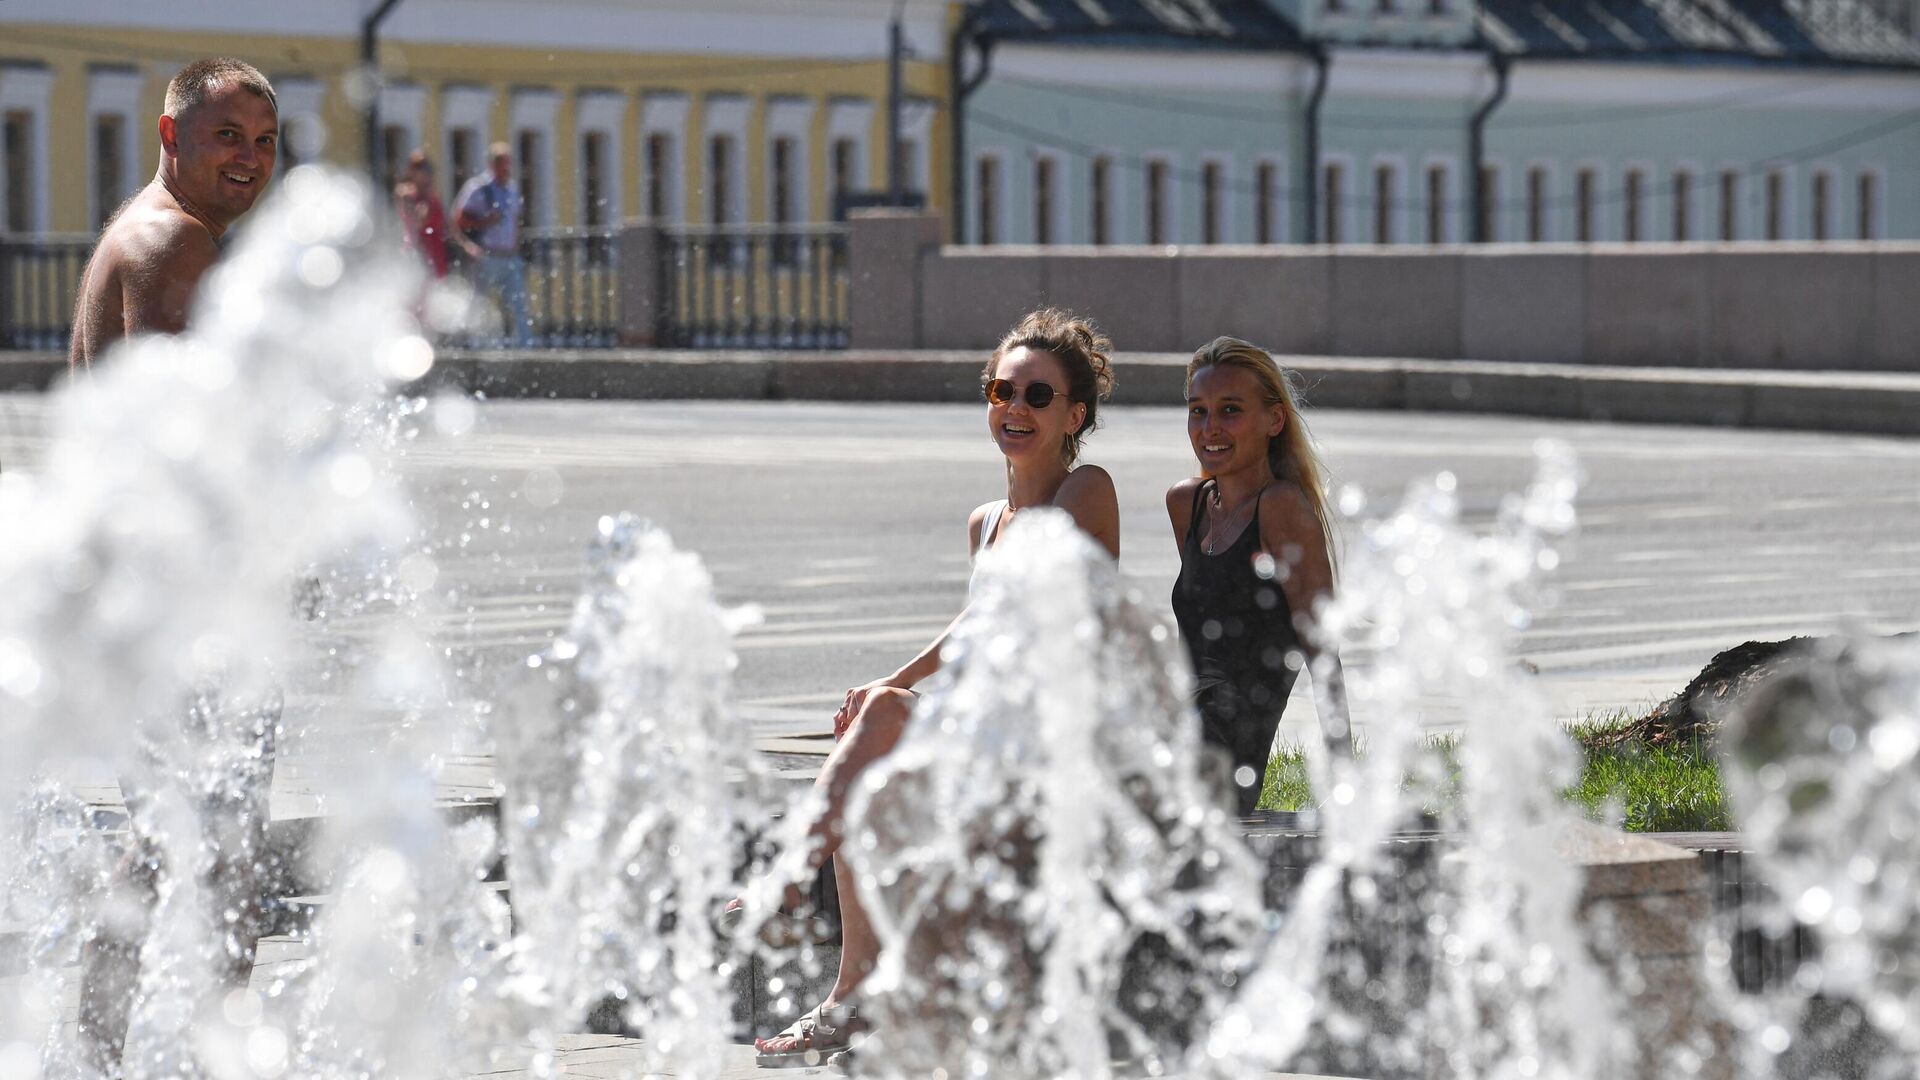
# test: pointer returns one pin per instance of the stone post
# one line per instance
(884, 249)
(637, 249)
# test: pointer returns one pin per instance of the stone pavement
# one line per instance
(1858, 402)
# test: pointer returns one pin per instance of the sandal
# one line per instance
(778, 929)
(814, 1038)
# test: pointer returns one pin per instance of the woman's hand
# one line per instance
(857, 697)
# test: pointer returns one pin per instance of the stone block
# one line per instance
(1866, 410)
(1648, 925)
(1523, 305)
(880, 376)
(1629, 400)
(636, 251)
(1396, 303)
(1791, 306)
(1347, 384)
(1895, 342)
(1433, 388)
(969, 297)
(884, 248)
(1277, 299)
(1149, 379)
(1622, 864)
(1648, 306)
(1128, 291)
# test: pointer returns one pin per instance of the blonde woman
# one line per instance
(1256, 558)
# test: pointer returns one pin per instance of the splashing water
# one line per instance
(629, 777)
(1047, 877)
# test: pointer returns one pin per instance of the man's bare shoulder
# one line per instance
(154, 234)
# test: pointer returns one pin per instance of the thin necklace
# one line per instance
(1208, 544)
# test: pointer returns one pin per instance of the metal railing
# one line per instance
(573, 294)
(753, 287)
(39, 280)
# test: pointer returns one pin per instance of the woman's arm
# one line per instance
(1180, 509)
(1291, 534)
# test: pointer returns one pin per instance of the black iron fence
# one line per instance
(39, 278)
(753, 286)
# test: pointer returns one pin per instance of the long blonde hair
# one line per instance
(1291, 454)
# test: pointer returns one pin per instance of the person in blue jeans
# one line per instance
(488, 218)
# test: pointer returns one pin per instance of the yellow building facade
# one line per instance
(692, 111)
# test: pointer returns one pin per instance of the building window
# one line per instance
(18, 144)
(1776, 205)
(109, 171)
(593, 179)
(1043, 200)
(845, 165)
(1729, 205)
(1210, 179)
(720, 179)
(1436, 204)
(1266, 192)
(463, 146)
(1384, 181)
(530, 146)
(909, 165)
(1583, 195)
(987, 188)
(1156, 202)
(1536, 205)
(1633, 227)
(1683, 205)
(783, 191)
(393, 152)
(659, 175)
(1822, 198)
(1332, 194)
(1486, 192)
(1867, 205)
(1100, 180)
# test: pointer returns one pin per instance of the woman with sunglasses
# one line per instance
(1256, 560)
(1043, 387)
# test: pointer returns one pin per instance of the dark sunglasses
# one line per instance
(1003, 392)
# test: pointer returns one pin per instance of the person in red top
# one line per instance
(422, 213)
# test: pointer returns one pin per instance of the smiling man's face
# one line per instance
(224, 151)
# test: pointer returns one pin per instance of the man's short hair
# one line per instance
(198, 80)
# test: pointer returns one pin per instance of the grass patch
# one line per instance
(1645, 788)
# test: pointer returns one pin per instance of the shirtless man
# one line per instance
(219, 136)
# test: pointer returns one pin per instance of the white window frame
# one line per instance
(402, 105)
(726, 114)
(1396, 216)
(1343, 209)
(1277, 201)
(1879, 222)
(1826, 169)
(1169, 213)
(537, 110)
(851, 118)
(1229, 206)
(1452, 215)
(791, 118)
(603, 113)
(1788, 204)
(1704, 182)
(299, 99)
(916, 123)
(665, 114)
(1549, 215)
(1743, 194)
(30, 90)
(1002, 210)
(1602, 225)
(1649, 200)
(1499, 220)
(1059, 205)
(113, 93)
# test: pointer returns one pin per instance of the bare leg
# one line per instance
(110, 962)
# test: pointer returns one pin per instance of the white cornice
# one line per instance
(826, 29)
(1157, 69)
(1671, 86)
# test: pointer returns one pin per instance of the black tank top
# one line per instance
(1236, 623)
